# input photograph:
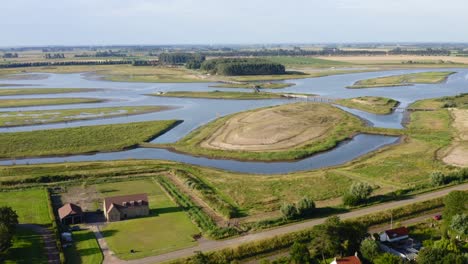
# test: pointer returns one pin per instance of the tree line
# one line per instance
(10, 55)
(242, 66)
(63, 63)
(54, 56)
(330, 52)
(192, 60)
(108, 53)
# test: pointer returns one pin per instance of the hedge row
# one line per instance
(208, 194)
(201, 219)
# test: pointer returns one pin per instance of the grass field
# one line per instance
(260, 85)
(401, 166)
(261, 134)
(30, 205)
(222, 95)
(80, 139)
(459, 101)
(400, 60)
(27, 248)
(166, 229)
(85, 249)
(402, 80)
(22, 118)
(295, 61)
(372, 104)
(46, 101)
(27, 91)
(160, 74)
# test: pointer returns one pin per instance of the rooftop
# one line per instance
(69, 209)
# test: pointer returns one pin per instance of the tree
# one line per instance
(459, 224)
(456, 202)
(8, 222)
(305, 207)
(357, 193)
(288, 211)
(431, 255)
(326, 238)
(388, 258)
(437, 178)
(299, 253)
(8, 217)
(369, 249)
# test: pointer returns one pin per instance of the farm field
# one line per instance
(28, 91)
(402, 80)
(371, 104)
(166, 229)
(23, 118)
(249, 135)
(28, 247)
(80, 139)
(85, 248)
(46, 101)
(419, 61)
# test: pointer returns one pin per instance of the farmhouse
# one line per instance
(347, 260)
(394, 235)
(70, 214)
(123, 207)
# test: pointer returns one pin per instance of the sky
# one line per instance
(146, 22)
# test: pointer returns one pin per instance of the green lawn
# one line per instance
(168, 228)
(85, 249)
(46, 101)
(404, 79)
(22, 118)
(372, 104)
(28, 248)
(24, 91)
(80, 139)
(222, 95)
(29, 204)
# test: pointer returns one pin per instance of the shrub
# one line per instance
(289, 211)
(358, 193)
(437, 178)
(369, 249)
(305, 207)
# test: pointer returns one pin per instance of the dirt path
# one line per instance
(458, 153)
(50, 244)
(220, 221)
(212, 245)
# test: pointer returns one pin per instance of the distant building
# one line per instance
(70, 214)
(395, 234)
(123, 207)
(347, 260)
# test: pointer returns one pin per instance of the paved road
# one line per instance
(49, 241)
(213, 245)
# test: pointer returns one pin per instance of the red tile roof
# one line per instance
(348, 260)
(397, 232)
(120, 200)
(69, 209)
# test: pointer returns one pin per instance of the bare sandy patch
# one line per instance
(275, 128)
(458, 153)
